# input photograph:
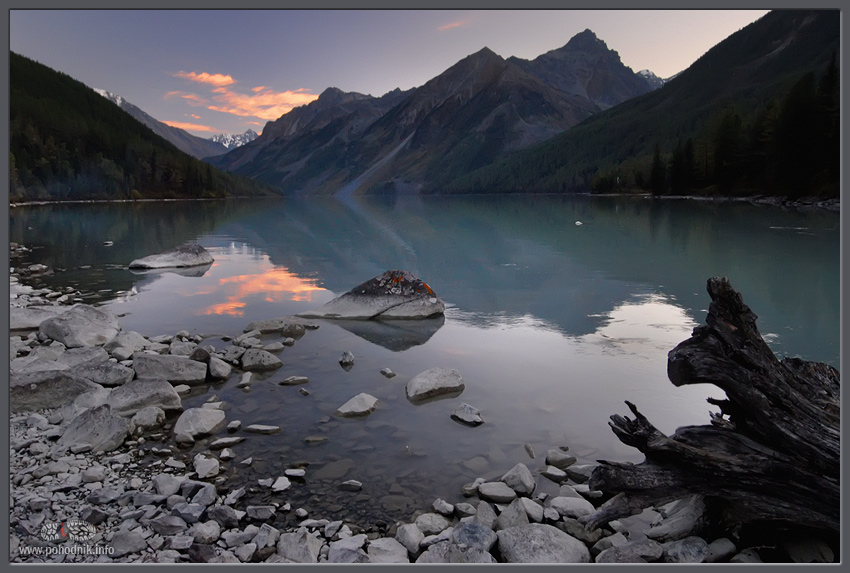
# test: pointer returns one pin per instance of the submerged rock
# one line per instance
(393, 294)
(361, 405)
(189, 255)
(467, 414)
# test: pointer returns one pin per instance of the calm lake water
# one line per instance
(551, 324)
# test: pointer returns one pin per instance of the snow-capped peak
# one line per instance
(231, 141)
(114, 98)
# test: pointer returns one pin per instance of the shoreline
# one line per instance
(832, 205)
(165, 512)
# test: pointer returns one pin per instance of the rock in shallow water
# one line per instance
(189, 255)
(393, 294)
(434, 383)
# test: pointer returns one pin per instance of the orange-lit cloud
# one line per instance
(275, 284)
(262, 102)
(452, 25)
(266, 104)
(190, 126)
(205, 78)
(193, 116)
(193, 99)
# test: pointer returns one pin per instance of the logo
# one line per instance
(73, 529)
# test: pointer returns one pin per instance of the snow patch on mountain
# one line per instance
(114, 98)
(231, 141)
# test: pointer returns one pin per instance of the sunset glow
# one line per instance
(275, 285)
(205, 78)
(451, 25)
(190, 126)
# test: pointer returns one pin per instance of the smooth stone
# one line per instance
(262, 429)
(221, 443)
(255, 359)
(293, 380)
(680, 519)
(574, 507)
(205, 466)
(409, 535)
(281, 484)
(432, 523)
(359, 406)
(81, 325)
(640, 551)
(219, 369)
(434, 383)
(348, 550)
(485, 515)
(386, 550)
(519, 479)
(199, 422)
(387, 372)
(300, 546)
(284, 326)
(206, 532)
(166, 484)
(579, 473)
(225, 516)
(497, 492)
(350, 485)
(260, 512)
(468, 415)
(147, 418)
(168, 525)
(559, 458)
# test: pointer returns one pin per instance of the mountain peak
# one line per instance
(586, 40)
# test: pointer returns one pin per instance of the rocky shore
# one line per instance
(99, 470)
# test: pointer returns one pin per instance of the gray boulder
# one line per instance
(434, 383)
(141, 393)
(393, 294)
(575, 507)
(31, 317)
(46, 390)
(386, 550)
(256, 359)
(188, 255)
(641, 551)
(219, 369)
(83, 356)
(300, 546)
(82, 325)
(539, 543)
(127, 542)
(106, 373)
(496, 492)
(99, 426)
(200, 422)
(348, 550)
(175, 369)
(519, 479)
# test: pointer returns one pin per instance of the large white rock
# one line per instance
(82, 325)
(519, 479)
(393, 294)
(255, 359)
(361, 405)
(433, 383)
(300, 546)
(175, 369)
(31, 317)
(387, 550)
(539, 543)
(199, 422)
(574, 507)
(189, 255)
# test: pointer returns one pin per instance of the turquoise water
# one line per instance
(551, 324)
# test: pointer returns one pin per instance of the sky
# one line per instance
(227, 71)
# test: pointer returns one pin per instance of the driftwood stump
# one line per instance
(770, 457)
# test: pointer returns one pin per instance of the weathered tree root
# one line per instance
(771, 456)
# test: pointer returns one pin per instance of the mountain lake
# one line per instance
(559, 309)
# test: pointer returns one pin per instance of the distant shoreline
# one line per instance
(833, 205)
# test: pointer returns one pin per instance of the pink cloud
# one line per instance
(205, 78)
(452, 25)
(190, 126)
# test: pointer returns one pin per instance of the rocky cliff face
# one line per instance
(585, 66)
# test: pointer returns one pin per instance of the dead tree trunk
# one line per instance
(770, 456)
